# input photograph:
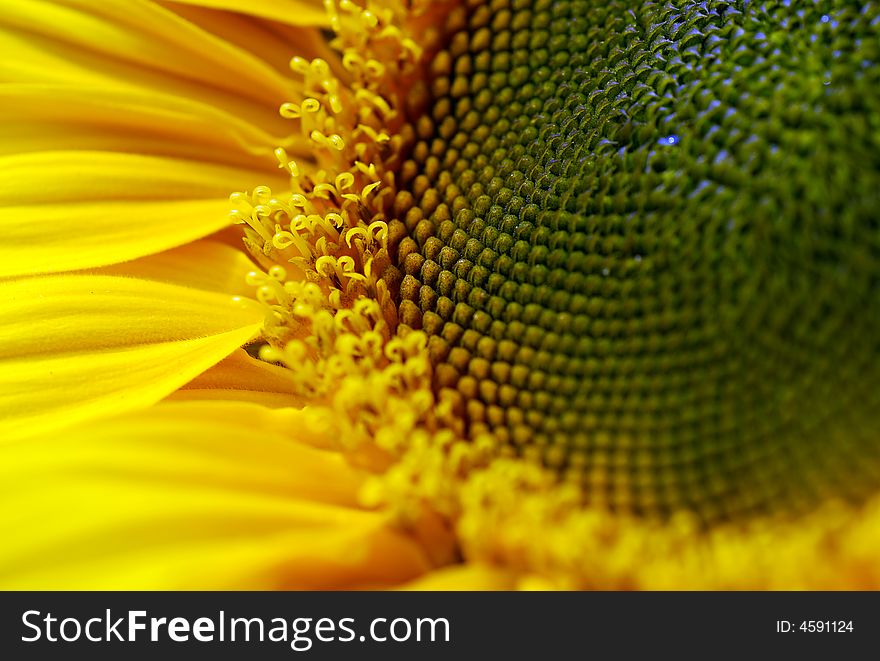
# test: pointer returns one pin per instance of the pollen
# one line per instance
(326, 275)
(643, 244)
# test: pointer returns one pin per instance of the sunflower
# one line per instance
(470, 295)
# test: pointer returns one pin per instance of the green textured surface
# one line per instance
(690, 322)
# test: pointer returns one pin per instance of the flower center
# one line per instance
(644, 244)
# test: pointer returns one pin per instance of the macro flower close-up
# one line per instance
(452, 294)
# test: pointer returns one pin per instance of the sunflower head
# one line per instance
(643, 242)
(585, 293)
(633, 250)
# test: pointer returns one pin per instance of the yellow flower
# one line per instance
(459, 346)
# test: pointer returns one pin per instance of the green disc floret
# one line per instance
(644, 239)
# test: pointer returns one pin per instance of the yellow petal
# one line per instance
(273, 41)
(241, 372)
(103, 39)
(239, 377)
(53, 177)
(61, 211)
(75, 313)
(69, 210)
(43, 49)
(294, 12)
(274, 400)
(204, 264)
(76, 347)
(476, 577)
(49, 238)
(187, 495)
(59, 116)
